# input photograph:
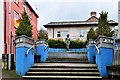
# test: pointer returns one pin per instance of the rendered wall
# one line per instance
(23, 62)
(42, 50)
(91, 54)
(103, 59)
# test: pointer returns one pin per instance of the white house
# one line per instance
(76, 29)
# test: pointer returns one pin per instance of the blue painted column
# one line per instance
(23, 61)
(42, 50)
(105, 56)
(91, 53)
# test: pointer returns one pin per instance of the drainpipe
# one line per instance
(53, 32)
(9, 32)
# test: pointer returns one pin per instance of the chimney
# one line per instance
(93, 13)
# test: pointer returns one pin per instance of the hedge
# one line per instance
(61, 44)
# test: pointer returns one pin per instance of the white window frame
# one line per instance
(31, 13)
(24, 6)
(16, 15)
(16, 1)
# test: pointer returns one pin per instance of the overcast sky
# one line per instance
(72, 10)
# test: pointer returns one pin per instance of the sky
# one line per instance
(72, 10)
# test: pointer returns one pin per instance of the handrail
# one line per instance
(29, 49)
(97, 49)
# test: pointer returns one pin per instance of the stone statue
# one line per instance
(67, 42)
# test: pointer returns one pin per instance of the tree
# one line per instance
(103, 26)
(91, 34)
(42, 34)
(25, 28)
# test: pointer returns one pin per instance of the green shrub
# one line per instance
(61, 44)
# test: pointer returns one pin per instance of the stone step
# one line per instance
(67, 59)
(73, 65)
(66, 55)
(64, 73)
(61, 77)
(64, 69)
(84, 62)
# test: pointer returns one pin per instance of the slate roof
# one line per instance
(76, 23)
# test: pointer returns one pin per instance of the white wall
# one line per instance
(74, 32)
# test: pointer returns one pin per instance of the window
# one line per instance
(30, 14)
(16, 15)
(16, 1)
(62, 34)
(58, 34)
(16, 19)
(24, 5)
(83, 33)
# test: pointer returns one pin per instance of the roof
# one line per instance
(76, 23)
(93, 18)
(31, 9)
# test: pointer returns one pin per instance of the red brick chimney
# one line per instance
(93, 13)
(93, 17)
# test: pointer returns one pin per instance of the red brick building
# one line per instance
(12, 11)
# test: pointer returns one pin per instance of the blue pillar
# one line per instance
(91, 53)
(42, 50)
(23, 61)
(105, 56)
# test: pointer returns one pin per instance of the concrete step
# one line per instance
(84, 62)
(63, 65)
(67, 55)
(62, 77)
(64, 69)
(67, 59)
(64, 73)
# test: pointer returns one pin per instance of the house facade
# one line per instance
(12, 13)
(76, 29)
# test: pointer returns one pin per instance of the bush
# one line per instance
(61, 44)
(56, 44)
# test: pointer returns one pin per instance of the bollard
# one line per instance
(42, 50)
(105, 56)
(23, 60)
(91, 53)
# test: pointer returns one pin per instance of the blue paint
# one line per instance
(23, 62)
(91, 54)
(104, 59)
(64, 50)
(42, 50)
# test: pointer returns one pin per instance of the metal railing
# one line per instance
(116, 54)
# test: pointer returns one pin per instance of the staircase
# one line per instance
(61, 67)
